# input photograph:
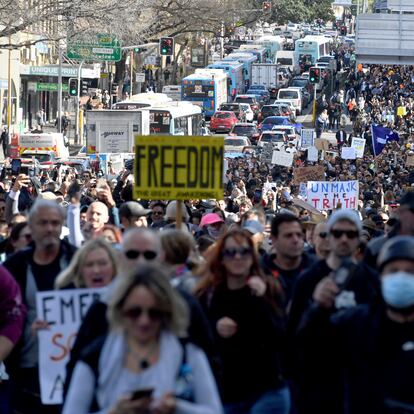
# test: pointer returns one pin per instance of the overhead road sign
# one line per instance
(102, 47)
(178, 168)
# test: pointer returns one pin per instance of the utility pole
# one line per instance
(59, 114)
(222, 41)
(9, 90)
(77, 103)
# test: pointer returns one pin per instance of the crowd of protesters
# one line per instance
(254, 304)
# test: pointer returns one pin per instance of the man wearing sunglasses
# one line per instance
(320, 290)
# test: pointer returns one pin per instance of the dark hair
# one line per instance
(16, 230)
(159, 204)
(281, 218)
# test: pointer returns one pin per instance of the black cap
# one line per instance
(397, 248)
(407, 199)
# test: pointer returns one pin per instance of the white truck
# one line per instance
(45, 147)
(268, 74)
(287, 58)
(114, 130)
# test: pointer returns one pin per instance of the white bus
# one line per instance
(142, 100)
(309, 49)
(176, 118)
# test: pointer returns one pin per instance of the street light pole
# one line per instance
(77, 103)
(59, 114)
(9, 90)
(131, 60)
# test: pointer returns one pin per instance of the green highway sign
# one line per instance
(97, 47)
(50, 87)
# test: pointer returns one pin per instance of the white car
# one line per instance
(248, 112)
(289, 130)
(236, 143)
(277, 138)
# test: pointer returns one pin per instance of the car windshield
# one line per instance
(258, 87)
(299, 82)
(222, 116)
(39, 157)
(270, 110)
(234, 142)
(272, 138)
(245, 100)
(288, 131)
(244, 129)
(288, 94)
(274, 121)
(229, 107)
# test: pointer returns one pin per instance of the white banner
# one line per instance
(359, 145)
(282, 158)
(307, 137)
(348, 153)
(326, 195)
(64, 311)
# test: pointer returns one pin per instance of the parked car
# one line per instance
(235, 143)
(246, 129)
(223, 121)
(272, 121)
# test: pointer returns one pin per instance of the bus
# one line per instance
(262, 53)
(273, 43)
(206, 88)
(235, 75)
(142, 100)
(175, 118)
(247, 59)
(309, 49)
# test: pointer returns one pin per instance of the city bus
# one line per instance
(235, 75)
(273, 43)
(309, 49)
(176, 118)
(206, 88)
(262, 53)
(142, 100)
(247, 59)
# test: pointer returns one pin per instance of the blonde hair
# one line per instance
(155, 279)
(73, 273)
(177, 245)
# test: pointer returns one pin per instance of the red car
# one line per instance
(223, 121)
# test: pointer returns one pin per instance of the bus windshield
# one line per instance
(198, 91)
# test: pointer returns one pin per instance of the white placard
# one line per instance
(348, 153)
(312, 154)
(140, 77)
(325, 195)
(359, 145)
(282, 158)
(307, 137)
(64, 310)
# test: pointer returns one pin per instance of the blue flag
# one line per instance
(380, 137)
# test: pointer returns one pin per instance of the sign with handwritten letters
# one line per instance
(359, 145)
(305, 174)
(282, 158)
(64, 311)
(326, 195)
(348, 153)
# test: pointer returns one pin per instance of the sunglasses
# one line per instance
(243, 251)
(134, 254)
(157, 213)
(135, 313)
(350, 234)
(323, 235)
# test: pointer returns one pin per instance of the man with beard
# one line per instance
(35, 270)
(314, 380)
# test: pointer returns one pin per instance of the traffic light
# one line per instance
(139, 49)
(267, 6)
(73, 87)
(167, 46)
(114, 90)
(314, 75)
(84, 87)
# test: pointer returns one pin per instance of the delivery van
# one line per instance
(44, 146)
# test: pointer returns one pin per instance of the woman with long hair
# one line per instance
(144, 365)
(242, 306)
(94, 265)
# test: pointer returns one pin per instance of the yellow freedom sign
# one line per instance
(178, 167)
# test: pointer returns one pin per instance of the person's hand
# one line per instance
(22, 180)
(127, 406)
(257, 285)
(166, 405)
(226, 327)
(325, 292)
(105, 195)
(38, 325)
(125, 176)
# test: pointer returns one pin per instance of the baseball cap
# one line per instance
(132, 209)
(210, 218)
(345, 215)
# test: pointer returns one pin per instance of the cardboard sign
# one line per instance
(321, 144)
(64, 310)
(313, 154)
(348, 153)
(178, 167)
(305, 205)
(409, 161)
(324, 195)
(282, 158)
(305, 174)
(307, 137)
(359, 145)
(267, 153)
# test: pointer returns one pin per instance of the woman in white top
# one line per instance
(144, 355)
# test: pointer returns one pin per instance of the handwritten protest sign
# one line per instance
(305, 174)
(359, 145)
(313, 154)
(321, 144)
(409, 162)
(325, 195)
(348, 153)
(267, 153)
(307, 137)
(64, 311)
(282, 158)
